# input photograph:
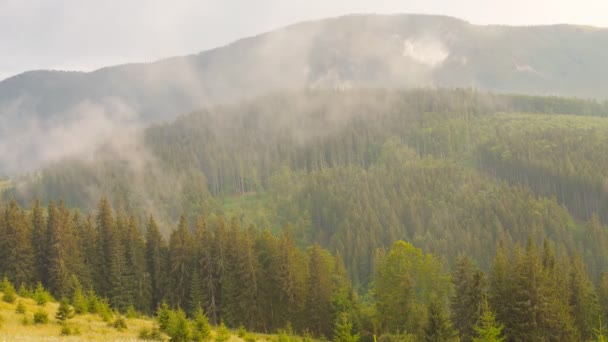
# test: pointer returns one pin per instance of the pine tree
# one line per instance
(58, 272)
(16, 252)
(180, 263)
(39, 241)
(319, 294)
(119, 294)
(438, 327)
(179, 327)
(65, 311)
(106, 233)
(488, 329)
(343, 329)
(155, 262)
(201, 327)
(469, 288)
(196, 294)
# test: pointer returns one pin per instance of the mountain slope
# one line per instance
(44, 108)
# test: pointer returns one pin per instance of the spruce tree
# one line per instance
(469, 288)
(155, 262)
(487, 328)
(438, 327)
(65, 311)
(343, 329)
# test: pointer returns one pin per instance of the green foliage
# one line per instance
(132, 312)
(41, 317)
(222, 333)
(9, 294)
(343, 329)
(80, 302)
(488, 329)
(148, 334)
(24, 291)
(438, 327)
(120, 323)
(163, 316)
(20, 308)
(41, 295)
(67, 330)
(406, 280)
(179, 329)
(65, 311)
(1, 320)
(201, 330)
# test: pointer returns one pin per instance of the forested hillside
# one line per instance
(290, 211)
(217, 271)
(82, 110)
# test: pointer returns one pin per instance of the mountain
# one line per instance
(42, 110)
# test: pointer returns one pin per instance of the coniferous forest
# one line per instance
(418, 215)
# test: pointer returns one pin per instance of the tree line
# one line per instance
(244, 276)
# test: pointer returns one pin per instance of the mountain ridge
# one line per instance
(377, 51)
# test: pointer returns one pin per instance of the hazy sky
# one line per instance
(88, 34)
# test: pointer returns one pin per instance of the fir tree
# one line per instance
(65, 311)
(438, 327)
(343, 329)
(487, 328)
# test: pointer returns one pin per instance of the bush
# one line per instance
(79, 302)
(102, 308)
(242, 331)
(283, 336)
(179, 327)
(249, 338)
(24, 291)
(163, 315)
(25, 320)
(1, 320)
(10, 295)
(150, 334)
(65, 311)
(41, 317)
(120, 323)
(223, 334)
(200, 325)
(131, 312)
(41, 296)
(66, 330)
(20, 309)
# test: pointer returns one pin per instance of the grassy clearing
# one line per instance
(90, 327)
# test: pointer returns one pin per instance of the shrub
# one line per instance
(25, 320)
(65, 311)
(223, 334)
(150, 334)
(24, 291)
(102, 308)
(20, 309)
(41, 296)
(179, 327)
(163, 314)
(1, 320)
(79, 302)
(120, 323)
(41, 317)
(201, 327)
(66, 330)
(10, 295)
(242, 331)
(131, 312)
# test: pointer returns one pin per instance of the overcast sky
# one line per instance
(87, 34)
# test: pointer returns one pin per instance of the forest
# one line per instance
(435, 215)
